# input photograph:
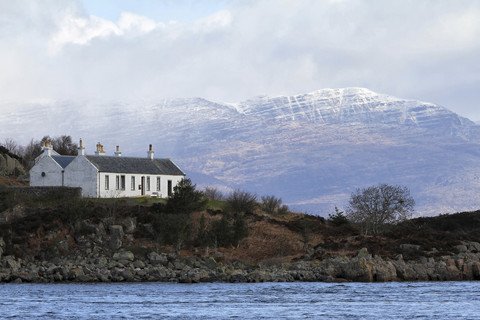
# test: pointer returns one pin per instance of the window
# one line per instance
(107, 182)
(148, 183)
(133, 183)
(158, 183)
(117, 182)
(122, 180)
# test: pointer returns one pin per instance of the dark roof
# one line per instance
(135, 165)
(63, 161)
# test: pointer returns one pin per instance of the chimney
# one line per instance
(99, 151)
(81, 149)
(47, 148)
(150, 152)
(118, 153)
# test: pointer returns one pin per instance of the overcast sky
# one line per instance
(233, 50)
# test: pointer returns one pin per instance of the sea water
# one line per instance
(419, 300)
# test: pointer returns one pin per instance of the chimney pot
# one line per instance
(118, 153)
(99, 151)
(150, 152)
(81, 149)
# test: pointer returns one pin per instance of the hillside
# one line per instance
(114, 240)
(312, 150)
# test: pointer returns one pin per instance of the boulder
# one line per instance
(410, 247)
(116, 231)
(157, 259)
(130, 224)
(385, 271)
(10, 166)
(210, 263)
(363, 253)
(12, 264)
(356, 270)
(123, 256)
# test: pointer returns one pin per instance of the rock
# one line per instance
(421, 272)
(474, 246)
(409, 247)
(138, 264)
(63, 245)
(124, 255)
(461, 248)
(10, 166)
(385, 271)
(115, 244)
(12, 263)
(157, 259)
(355, 270)
(363, 253)
(130, 224)
(103, 275)
(172, 256)
(475, 270)
(116, 231)
(210, 263)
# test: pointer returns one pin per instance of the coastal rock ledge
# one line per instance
(124, 266)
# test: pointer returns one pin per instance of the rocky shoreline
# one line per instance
(123, 266)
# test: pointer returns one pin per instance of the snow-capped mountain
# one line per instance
(312, 150)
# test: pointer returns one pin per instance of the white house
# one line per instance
(102, 176)
(49, 168)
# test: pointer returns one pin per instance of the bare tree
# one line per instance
(374, 207)
(11, 146)
(241, 202)
(64, 146)
(271, 204)
(30, 152)
(213, 193)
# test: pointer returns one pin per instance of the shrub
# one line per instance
(227, 231)
(271, 204)
(172, 229)
(241, 202)
(338, 218)
(185, 199)
(213, 193)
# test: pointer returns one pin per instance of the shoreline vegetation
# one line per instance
(59, 237)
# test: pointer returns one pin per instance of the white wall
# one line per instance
(52, 173)
(82, 173)
(113, 192)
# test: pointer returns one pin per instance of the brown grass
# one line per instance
(4, 181)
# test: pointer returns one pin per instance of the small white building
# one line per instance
(102, 176)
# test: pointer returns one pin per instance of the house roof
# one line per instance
(135, 165)
(63, 161)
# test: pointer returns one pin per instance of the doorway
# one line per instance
(170, 188)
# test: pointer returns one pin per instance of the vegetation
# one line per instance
(374, 207)
(234, 227)
(62, 144)
(213, 194)
(273, 205)
(241, 202)
(185, 198)
(338, 218)
(43, 225)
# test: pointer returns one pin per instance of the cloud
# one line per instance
(425, 50)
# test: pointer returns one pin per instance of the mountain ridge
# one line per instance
(311, 149)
